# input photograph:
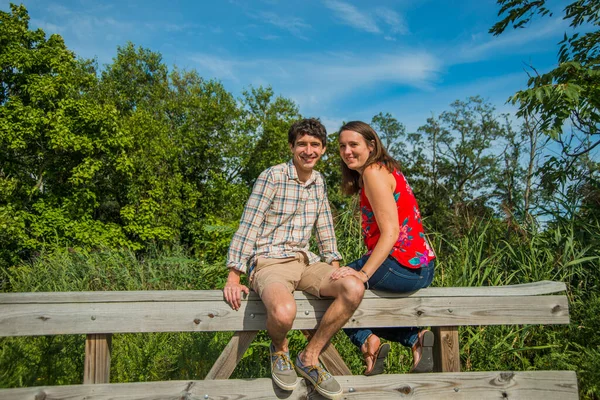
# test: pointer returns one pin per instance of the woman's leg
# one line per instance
(393, 277)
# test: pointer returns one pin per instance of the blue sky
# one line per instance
(338, 60)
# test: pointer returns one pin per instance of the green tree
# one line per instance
(509, 178)
(392, 133)
(56, 143)
(266, 121)
(464, 137)
(147, 192)
(180, 174)
(570, 93)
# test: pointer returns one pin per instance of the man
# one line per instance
(271, 244)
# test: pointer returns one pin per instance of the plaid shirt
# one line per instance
(279, 217)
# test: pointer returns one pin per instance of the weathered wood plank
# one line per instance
(231, 355)
(97, 359)
(446, 350)
(531, 385)
(526, 289)
(186, 316)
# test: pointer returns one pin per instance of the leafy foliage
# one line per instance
(570, 92)
(134, 176)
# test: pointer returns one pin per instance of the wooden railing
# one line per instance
(101, 314)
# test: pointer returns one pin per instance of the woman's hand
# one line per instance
(347, 271)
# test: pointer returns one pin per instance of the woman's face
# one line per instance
(354, 149)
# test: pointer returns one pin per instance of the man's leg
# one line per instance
(273, 281)
(347, 293)
(281, 312)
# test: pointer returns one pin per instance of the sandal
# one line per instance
(424, 359)
(378, 359)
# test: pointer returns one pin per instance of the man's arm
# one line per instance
(242, 243)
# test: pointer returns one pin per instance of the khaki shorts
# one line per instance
(294, 273)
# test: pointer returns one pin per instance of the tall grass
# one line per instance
(136, 357)
(485, 255)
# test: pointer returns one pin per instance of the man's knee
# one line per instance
(353, 290)
(283, 313)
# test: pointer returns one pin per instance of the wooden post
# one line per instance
(97, 358)
(446, 349)
(231, 355)
(331, 358)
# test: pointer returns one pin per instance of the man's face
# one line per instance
(306, 152)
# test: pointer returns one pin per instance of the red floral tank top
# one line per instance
(411, 249)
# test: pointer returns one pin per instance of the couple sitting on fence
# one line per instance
(271, 245)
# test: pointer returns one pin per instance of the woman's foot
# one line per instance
(374, 354)
(423, 352)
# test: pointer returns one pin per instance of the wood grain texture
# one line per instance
(231, 355)
(531, 385)
(26, 319)
(526, 289)
(97, 359)
(446, 350)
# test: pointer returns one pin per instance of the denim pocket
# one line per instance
(402, 272)
(400, 279)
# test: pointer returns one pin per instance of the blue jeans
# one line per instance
(391, 276)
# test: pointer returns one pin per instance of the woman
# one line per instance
(399, 259)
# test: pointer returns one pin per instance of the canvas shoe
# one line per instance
(282, 370)
(322, 380)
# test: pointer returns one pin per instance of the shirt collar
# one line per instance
(293, 174)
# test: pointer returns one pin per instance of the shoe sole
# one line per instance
(284, 386)
(426, 362)
(323, 392)
(379, 365)
(281, 384)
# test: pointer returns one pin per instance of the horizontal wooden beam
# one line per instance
(530, 385)
(164, 296)
(26, 319)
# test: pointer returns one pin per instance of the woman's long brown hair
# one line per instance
(351, 180)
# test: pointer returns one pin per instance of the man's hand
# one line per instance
(233, 289)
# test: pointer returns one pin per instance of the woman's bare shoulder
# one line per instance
(375, 171)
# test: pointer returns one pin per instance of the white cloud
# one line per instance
(413, 109)
(350, 15)
(83, 26)
(511, 41)
(168, 27)
(47, 27)
(318, 81)
(296, 26)
(217, 67)
(393, 19)
(332, 124)
(393, 23)
(270, 37)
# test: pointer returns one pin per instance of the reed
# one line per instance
(484, 255)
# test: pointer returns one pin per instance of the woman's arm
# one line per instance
(379, 186)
